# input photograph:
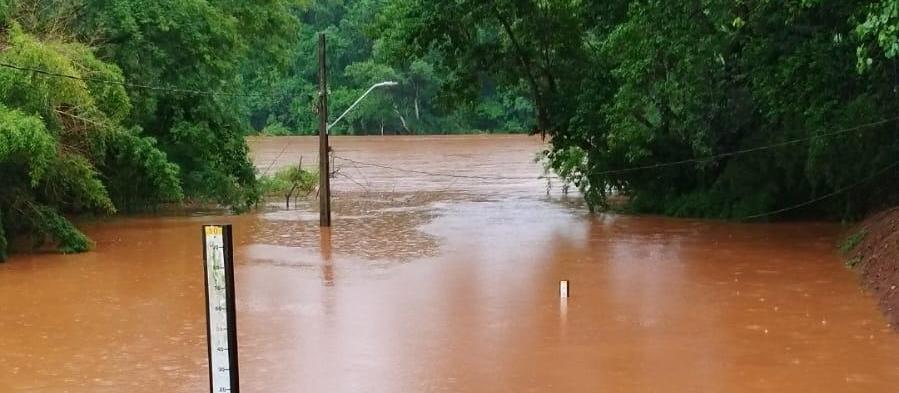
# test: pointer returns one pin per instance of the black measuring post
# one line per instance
(221, 316)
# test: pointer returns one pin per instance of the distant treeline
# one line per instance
(715, 108)
(357, 59)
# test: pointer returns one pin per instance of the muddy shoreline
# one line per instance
(874, 255)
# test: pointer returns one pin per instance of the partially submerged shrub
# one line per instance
(289, 182)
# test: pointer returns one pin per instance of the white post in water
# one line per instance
(563, 289)
(221, 322)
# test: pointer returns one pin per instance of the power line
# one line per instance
(147, 87)
(826, 196)
(749, 150)
(132, 85)
(278, 157)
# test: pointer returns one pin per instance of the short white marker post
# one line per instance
(221, 322)
(563, 289)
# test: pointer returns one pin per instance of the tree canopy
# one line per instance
(357, 59)
(100, 110)
(654, 99)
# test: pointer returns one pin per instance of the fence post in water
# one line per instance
(563, 289)
(221, 317)
(324, 172)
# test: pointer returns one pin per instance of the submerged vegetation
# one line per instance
(290, 182)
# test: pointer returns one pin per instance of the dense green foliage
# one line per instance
(112, 120)
(200, 45)
(357, 60)
(60, 138)
(628, 84)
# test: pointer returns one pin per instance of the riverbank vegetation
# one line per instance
(105, 106)
(713, 108)
(710, 108)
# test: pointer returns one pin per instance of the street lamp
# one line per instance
(324, 171)
(375, 86)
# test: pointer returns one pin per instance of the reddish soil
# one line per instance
(876, 258)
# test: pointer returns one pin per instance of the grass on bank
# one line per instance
(849, 244)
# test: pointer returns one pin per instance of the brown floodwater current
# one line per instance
(430, 283)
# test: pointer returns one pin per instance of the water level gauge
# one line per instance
(220, 309)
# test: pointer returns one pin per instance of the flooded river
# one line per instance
(436, 283)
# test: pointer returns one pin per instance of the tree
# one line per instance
(61, 137)
(127, 104)
(195, 45)
(511, 41)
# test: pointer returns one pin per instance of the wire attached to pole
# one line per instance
(129, 84)
(826, 196)
(749, 150)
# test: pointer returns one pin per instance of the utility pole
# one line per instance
(324, 172)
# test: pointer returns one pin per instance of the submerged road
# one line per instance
(431, 283)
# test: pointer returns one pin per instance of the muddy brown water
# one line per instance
(448, 284)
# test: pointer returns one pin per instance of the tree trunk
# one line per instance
(527, 67)
(289, 194)
(402, 119)
(417, 108)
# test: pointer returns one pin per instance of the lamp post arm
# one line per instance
(354, 104)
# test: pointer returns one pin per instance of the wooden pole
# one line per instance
(324, 170)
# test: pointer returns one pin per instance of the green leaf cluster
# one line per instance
(878, 33)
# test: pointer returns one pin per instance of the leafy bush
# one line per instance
(275, 129)
(62, 149)
(289, 182)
